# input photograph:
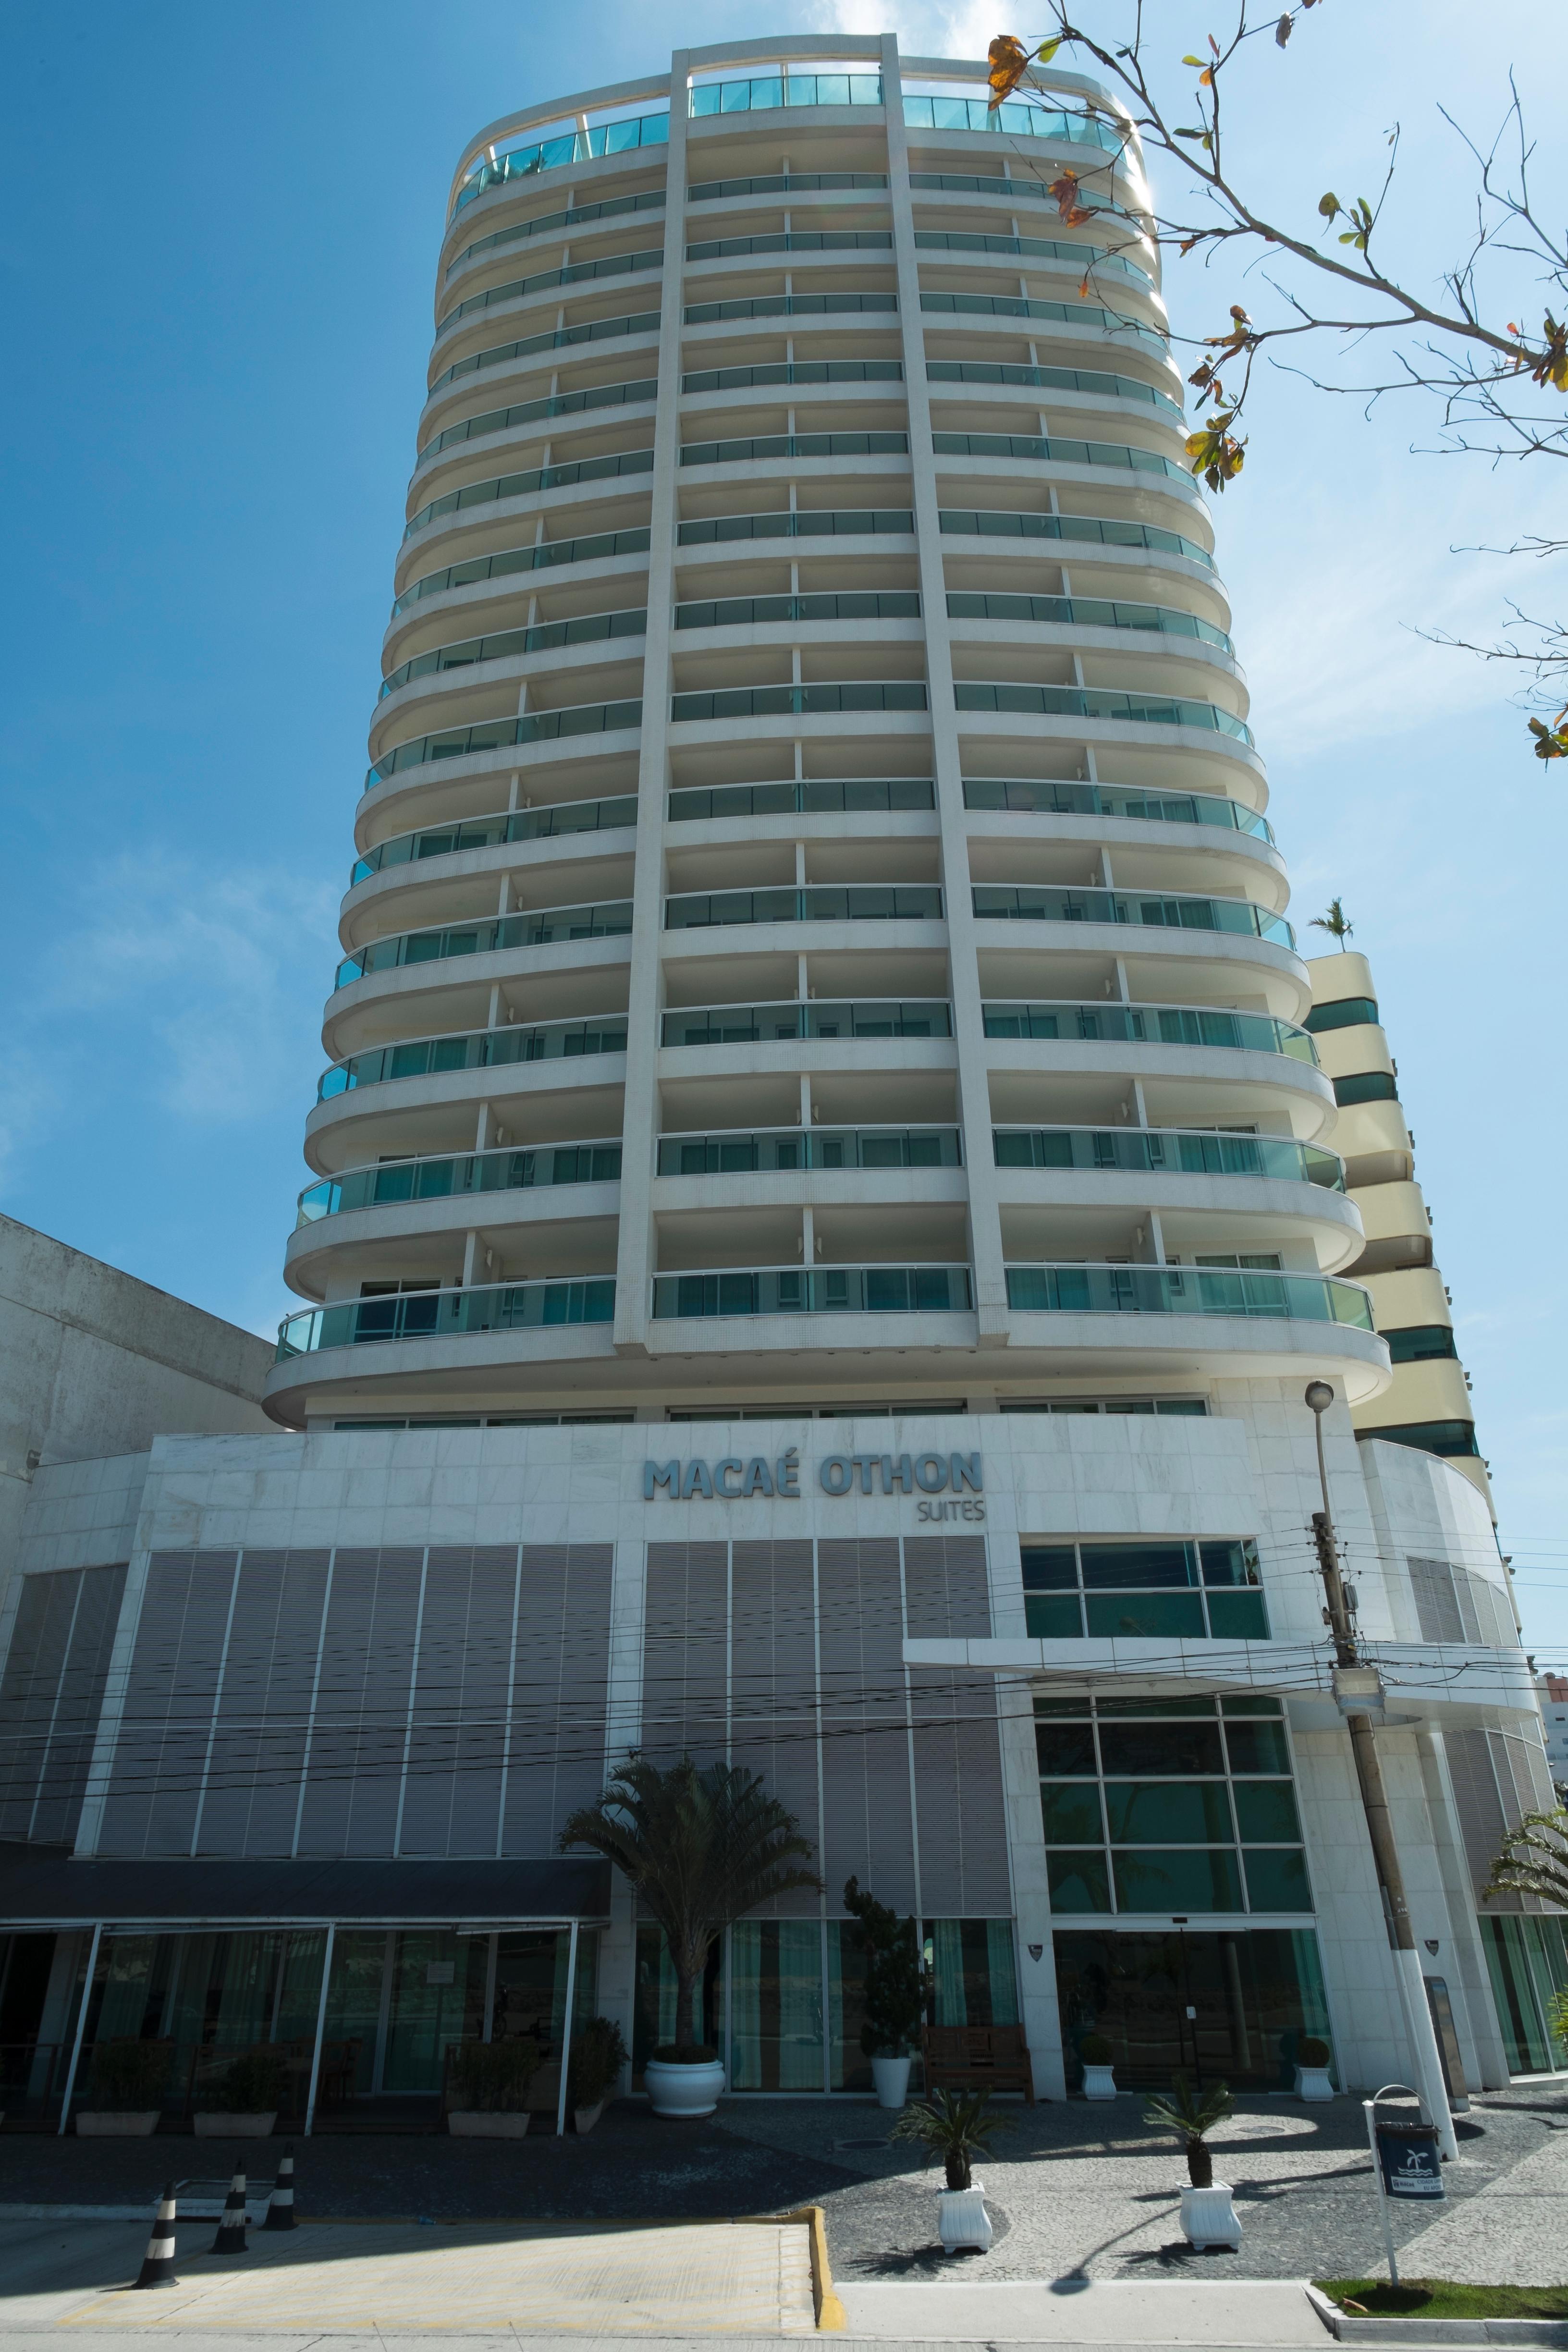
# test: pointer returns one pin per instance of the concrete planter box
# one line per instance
(1208, 2217)
(104, 2122)
(891, 2076)
(1099, 2082)
(685, 2091)
(1312, 2082)
(487, 2122)
(584, 2118)
(961, 2220)
(218, 2125)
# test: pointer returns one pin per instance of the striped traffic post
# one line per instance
(158, 2264)
(280, 2204)
(230, 2239)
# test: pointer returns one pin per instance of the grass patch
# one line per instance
(1444, 2299)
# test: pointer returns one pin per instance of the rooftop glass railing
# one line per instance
(542, 927)
(799, 701)
(1101, 702)
(1088, 528)
(546, 223)
(856, 523)
(502, 644)
(1168, 1152)
(1084, 612)
(1170, 910)
(1185, 1290)
(586, 549)
(793, 240)
(1012, 122)
(785, 184)
(763, 92)
(1066, 314)
(741, 379)
(498, 734)
(814, 1290)
(795, 445)
(1093, 380)
(755, 1024)
(453, 1175)
(1056, 450)
(545, 823)
(803, 795)
(818, 902)
(1081, 259)
(449, 1314)
(597, 331)
(530, 412)
(794, 1150)
(849, 604)
(478, 1049)
(1056, 796)
(567, 147)
(785, 306)
(1151, 1025)
(574, 273)
(525, 485)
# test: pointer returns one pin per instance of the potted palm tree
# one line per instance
(1209, 2216)
(894, 1995)
(242, 2103)
(487, 2087)
(1312, 2069)
(699, 1849)
(957, 2127)
(1097, 2053)
(125, 2090)
(598, 2054)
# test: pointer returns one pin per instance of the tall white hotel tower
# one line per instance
(825, 1206)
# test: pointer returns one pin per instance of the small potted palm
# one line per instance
(1312, 2069)
(126, 2082)
(487, 2087)
(242, 2103)
(598, 2055)
(1097, 2052)
(958, 2127)
(1209, 2216)
(893, 2002)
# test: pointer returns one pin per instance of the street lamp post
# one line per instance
(1354, 1680)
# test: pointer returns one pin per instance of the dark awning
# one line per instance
(45, 1888)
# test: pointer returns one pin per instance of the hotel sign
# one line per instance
(959, 1478)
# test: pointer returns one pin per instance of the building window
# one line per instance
(1168, 1805)
(1177, 1589)
(1184, 1407)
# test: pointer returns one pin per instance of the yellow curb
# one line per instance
(830, 2315)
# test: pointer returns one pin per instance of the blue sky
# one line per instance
(219, 232)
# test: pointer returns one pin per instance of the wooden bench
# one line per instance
(977, 2058)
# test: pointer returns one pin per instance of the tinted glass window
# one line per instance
(1256, 1748)
(1167, 1812)
(1071, 1813)
(1066, 1748)
(1109, 1567)
(1049, 1568)
(1139, 1748)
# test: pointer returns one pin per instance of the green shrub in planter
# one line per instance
(598, 2054)
(255, 2085)
(492, 2077)
(893, 1999)
(1096, 2050)
(128, 2077)
(1311, 2051)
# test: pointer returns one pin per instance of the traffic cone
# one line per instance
(280, 2204)
(230, 2239)
(158, 2264)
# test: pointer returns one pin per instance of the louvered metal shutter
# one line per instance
(63, 1781)
(161, 1749)
(1436, 1603)
(1483, 1820)
(355, 1768)
(451, 1798)
(560, 1692)
(684, 1652)
(867, 1830)
(772, 1688)
(946, 1593)
(29, 1692)
(252, 1787)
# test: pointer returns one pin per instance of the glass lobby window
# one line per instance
(653, 2015)
(1220, 2005)
(776, 2007)
(1168, 1805)
(1176, 1590)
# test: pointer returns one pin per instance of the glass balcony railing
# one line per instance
(1085, 612)
(1013, 120)
(795, 240)
(575, 273)
(556, 817)
(1103, 703)
(1080, 259)
(589, 549)
(1065, 314)
(750, 1024)
(498, 734)
(763, 92)
(795, 445)
(597, 331)
(785, 306)
(547, 223)
(543, 927)
(588, 628)
(814, 1290)
(785, 184)
(796, 1151)
(531, 412)
(741, 379)
(1055, 797)
(1169, 910)
(1151, 1025)
(1088, 529)
(479, 1049)
(799, 701)
(818, 902)
(525, 485)
(569, 147)
(801, 796)
(456, 1174)
(449, 1314)
(1185, 1290)
(858, 522)
(1055, 451)
(972, 183)
(1092, 381)
(1168, 1152)
(849, 604)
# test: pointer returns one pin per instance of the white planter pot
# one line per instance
(218, 2126)
(1099, 2082)
(1312, 2082)
(1208, 2217)
(486, 2122)
(688, 2090)
(891, 2076)
(961, 2220)
(104, 2122)
(584, 2118)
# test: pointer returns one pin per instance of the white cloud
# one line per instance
(926, 28)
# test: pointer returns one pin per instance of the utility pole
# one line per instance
(1354, 1680)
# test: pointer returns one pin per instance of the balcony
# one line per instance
(795, 445)
(1066, 314)
(820, 902)
(636, 393)
(1105, 703)
(1168, 1152)
(589, 549)
(746, 379)
(587, 629)
(1054, 797)
(868, 1017)
(1014, 120)
(480, 1049)
(501, 734)
(546, 223)
(448, 1314)
(797, 240)
(596, 331)
(569, 147)
(814, 1290)
(1080, 259)
(823, 700)
(785, 306)
(799, 1150)
(785, 184)
(801, 795)
(456, 1175)
(1186, 1290)
(526, 485)
(1054, 450)
(545, 927)
(763, 93)
(1151, 1024)
(1084, 530)
(851, 604)
(546, 823)
(575, 273)
(856, 523)
(1090, 381)
(1084, 612)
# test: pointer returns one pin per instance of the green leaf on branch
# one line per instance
(1551, 742)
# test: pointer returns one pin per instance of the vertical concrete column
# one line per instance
(1031, 1894)
(985, 1254)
